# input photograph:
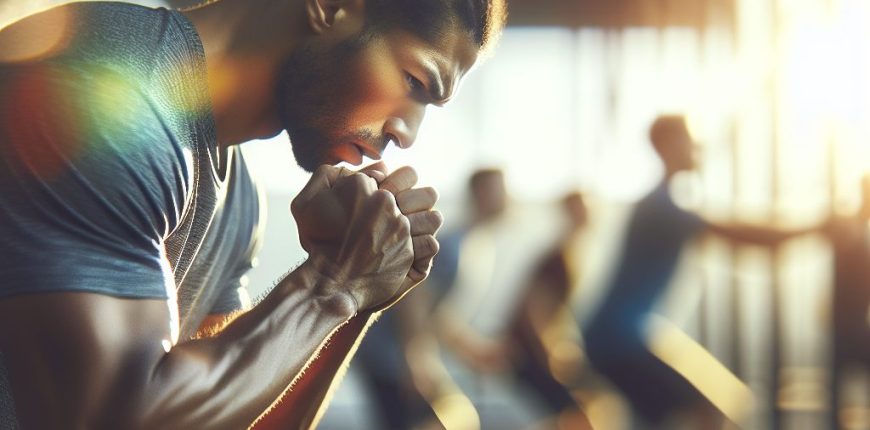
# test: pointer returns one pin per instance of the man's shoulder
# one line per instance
(104, 82)
(89, 32)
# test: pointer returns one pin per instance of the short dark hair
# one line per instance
(480, 176)
(482, 19)
(665, 128)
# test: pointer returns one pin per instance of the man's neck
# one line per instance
(244, 42)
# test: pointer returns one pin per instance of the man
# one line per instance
(541, 319)
(657, 233)
(404, 389)
(127, 215)
(488, 207)
(850, 331)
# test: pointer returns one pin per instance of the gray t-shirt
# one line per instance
(110, 180)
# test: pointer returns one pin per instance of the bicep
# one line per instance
(75, 359)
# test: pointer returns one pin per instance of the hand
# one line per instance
(320, 216)
(416, 204)
(357, 239)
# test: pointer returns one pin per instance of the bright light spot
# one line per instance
(40, 36)
(700, 368)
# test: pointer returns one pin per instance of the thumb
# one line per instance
(378, 171)
(324, 177)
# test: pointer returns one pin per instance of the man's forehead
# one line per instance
(457, 46)
(450, 57)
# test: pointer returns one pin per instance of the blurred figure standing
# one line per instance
(850, 238)
(657, 232)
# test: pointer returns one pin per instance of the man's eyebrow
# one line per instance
(436, 85)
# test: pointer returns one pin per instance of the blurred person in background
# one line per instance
(539, 336)
(657, 233)
(535, 321)
(128, 215)
(488, 203)
(399, 358)
(389, 358)
(850, 239)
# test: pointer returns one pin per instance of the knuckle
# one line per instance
(437, 219)
(359, 180)
(323, 170)
(428, 245)
(403, 224)
(409, 171)
(383, 199)
(430, 193)
(426, 222)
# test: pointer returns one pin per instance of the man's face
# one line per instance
(490, 197)
(678, 153)
(865, 197)
(343, 102)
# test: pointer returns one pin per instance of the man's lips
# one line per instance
(368, 151)
(353, 153)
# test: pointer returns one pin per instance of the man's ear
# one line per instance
(323, 14)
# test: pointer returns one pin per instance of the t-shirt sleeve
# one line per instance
(91, 183)
(690, 221)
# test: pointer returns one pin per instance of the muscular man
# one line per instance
(127, 215)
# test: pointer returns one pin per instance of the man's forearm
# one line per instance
(756, 235)
(228, 380)
(303, 405)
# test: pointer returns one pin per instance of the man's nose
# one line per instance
(403, 128)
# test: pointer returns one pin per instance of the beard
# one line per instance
(311, 87)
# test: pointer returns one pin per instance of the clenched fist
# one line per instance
(357, 238)
(416, 204)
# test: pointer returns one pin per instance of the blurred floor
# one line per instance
(802, 400)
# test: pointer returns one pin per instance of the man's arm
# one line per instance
(305, 403)
(756, 235)
(302, 406)
(92, 361)
(87, 360)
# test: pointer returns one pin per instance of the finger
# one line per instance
(324, 177)
(425, 222)
(386, 202)
(355, 187)
(425, 247)
(402, 179)
(378, 171)
(344, 172)
(417, 199)
(420, 270)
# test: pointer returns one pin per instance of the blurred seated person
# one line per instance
(463, 271)
(657, 232)
(524, 346)
(539, 334)
(487, 202)
(399, 359)
(851, 294)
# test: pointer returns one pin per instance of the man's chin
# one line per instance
(308, 164)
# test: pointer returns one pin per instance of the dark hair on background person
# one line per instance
(667, 127)
(483, 19)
